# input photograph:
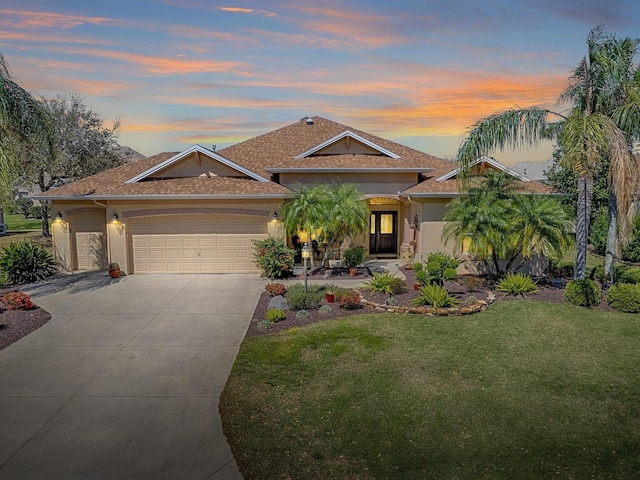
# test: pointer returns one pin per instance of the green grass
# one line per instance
(524, 390)
(17, 223)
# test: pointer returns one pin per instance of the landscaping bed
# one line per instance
(15, 324)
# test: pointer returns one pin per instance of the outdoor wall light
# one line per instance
(275, 215)
(115, 218)
(58, 218)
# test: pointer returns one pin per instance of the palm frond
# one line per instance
(624, 177)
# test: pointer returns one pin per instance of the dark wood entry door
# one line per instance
(383, 236)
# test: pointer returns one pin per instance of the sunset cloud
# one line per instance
(247, 10)
(17, 19)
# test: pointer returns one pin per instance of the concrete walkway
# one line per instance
(124, 381)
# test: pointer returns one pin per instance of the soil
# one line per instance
(458, 289)
(15, 324)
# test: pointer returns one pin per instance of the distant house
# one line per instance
(198, 210)
(534, 170)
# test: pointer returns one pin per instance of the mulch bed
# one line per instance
(547, 293)
(15, 324)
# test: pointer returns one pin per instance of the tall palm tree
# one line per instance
(586, 135)
(23, 119)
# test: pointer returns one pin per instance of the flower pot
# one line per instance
(353, 271)
(416, 286)
(114, 272)
(329, 297)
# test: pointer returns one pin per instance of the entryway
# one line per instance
(383, 238)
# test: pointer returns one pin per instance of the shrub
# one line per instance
(440, 267)
(36, 212)
(597, 272)
(4, 278)
(392, 302)
(584, 293)
(264, 325)
(422, 277)
(17, 301)
(471, 300)
(386, 283)
(26, 262)
(325, 310)
(275, 315)
(274, 258)
(472, 284)
(349, 299)
(275, 289)
(630, 275)
(24, 206)
(558, 269)
(354, 256)
(434, 295)
(297, 299)
(517, 284)
(624, 297)
(417, 267)
(300, 314)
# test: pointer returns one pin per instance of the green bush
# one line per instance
(417, 267)
(440, 267)
(434, 295)
(422, 277)
(584, 293)
(386, 283)
(302, 314)
(264, 325)
(354, 256)
(26, 262)
(297, 299)
(274, 258)
(275, 315)
(325, 310)
(392, 302)
(598, 237)
(624, 297)
(36, 212)
(630, 275)
(558, 269)
(24, 206)
(517, 284)
(597, 272)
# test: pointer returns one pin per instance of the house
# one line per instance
(199, 210)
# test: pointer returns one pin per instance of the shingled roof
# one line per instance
(274, 152)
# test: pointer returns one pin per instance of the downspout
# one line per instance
(106, 208)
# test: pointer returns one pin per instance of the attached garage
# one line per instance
(202, 243)
(91, 240)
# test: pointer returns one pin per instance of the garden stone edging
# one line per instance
(479, 306)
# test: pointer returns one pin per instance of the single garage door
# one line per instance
(203, 243)
(91, 241)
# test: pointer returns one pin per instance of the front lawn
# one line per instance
(17, 223)
(524, 390)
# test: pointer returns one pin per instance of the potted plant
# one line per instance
(114, 270)
(353, 257)
(330, 296)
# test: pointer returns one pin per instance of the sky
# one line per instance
(179, 72)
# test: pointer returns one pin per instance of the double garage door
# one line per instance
(203, 243)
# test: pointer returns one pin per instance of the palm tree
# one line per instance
(337, 212)
(586, 135)
(503, 224)
(23, 120)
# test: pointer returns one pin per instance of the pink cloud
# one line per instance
(33, 20)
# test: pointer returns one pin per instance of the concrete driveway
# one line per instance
(124, 381)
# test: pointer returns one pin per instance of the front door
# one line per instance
(383, 233)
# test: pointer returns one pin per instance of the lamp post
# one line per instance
(306, 253)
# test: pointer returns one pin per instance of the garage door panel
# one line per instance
(195, 243)
(90, 241)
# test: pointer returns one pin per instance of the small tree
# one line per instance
(24, 206)
(337, 211)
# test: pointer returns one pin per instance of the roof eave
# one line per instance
(349, 170)
(165, 197)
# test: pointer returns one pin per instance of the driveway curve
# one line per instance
(124, 381)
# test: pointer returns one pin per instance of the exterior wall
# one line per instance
(189, 167)
(368, 183)
(118, 236)
(431, 225)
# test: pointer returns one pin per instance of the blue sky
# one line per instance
(178, 72)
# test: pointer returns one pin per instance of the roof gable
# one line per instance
(346, 143)
(204, 162)
(480, 164)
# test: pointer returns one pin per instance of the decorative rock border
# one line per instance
(479, 306)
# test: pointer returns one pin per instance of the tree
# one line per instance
(335, 211)
(83, 147)
(23, 119)
(586, 136)
(504, 225)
